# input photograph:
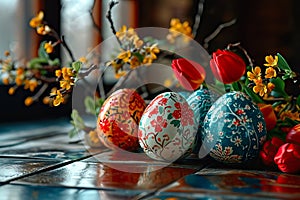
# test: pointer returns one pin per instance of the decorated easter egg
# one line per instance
(200, 102)
(167, 128)
(234, 129)
(118, 119)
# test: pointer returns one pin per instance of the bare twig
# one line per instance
(197, 19)
(67, 48)
(217, 31)
(112, 3)
(238, 45)
(87, 72)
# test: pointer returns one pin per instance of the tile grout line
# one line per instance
(48, 168)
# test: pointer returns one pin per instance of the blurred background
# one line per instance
(263, 27)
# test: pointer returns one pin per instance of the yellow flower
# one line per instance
(5, 81)
(271, 61)
(53, 91)
(270, 72)
(147, 60)
(138, 42)
(19, 80)
(37, 20)
(255, 74)
(116, 64)
(94, 137)
(67, 72)
(168, 83)
(28, 101)
(58, 99)
(83, 59)
(6, 53)
(48, 47)
(122, 32)
(43, 30)
(260, 88)
(11, 91)
(177, 28)
(134, 62)
(46, 100)
(20, 71)
(270, 87)
(152, 50)
(58, 73)
(290, 114)
(30, 84)
(119, 74)
(125, 56)
(66, 84)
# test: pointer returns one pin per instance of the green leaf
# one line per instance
(55, 62)
(90, 105)
(279, 90)
(77, 121)
(298, 100)
(252, 95)
(42, 51)
(36, 63)
(282, 64)
(139, 56)
(72, 133)
(76, 65)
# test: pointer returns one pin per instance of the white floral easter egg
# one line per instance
(234, 129)
(167, 128)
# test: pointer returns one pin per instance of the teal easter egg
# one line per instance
(200, 102)
(233, 130)
(167, 128)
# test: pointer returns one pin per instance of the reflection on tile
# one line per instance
(231, 182)
(97, 175)
(23, 192)
(140, 158)
(11, 168)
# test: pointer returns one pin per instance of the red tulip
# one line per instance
(269, 150)
(269, 115)
(189, 73)
(227, 66)
(293, 135)
(288, 158)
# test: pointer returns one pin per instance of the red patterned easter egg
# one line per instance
(118, 119)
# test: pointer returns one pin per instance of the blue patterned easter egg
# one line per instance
(167, 128)
(234, 129)
(200, 101)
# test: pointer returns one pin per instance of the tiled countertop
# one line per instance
(39, 161)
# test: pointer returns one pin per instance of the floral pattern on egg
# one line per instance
(200, 102)
(234, 129)
(167, 128)
(118, 119)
